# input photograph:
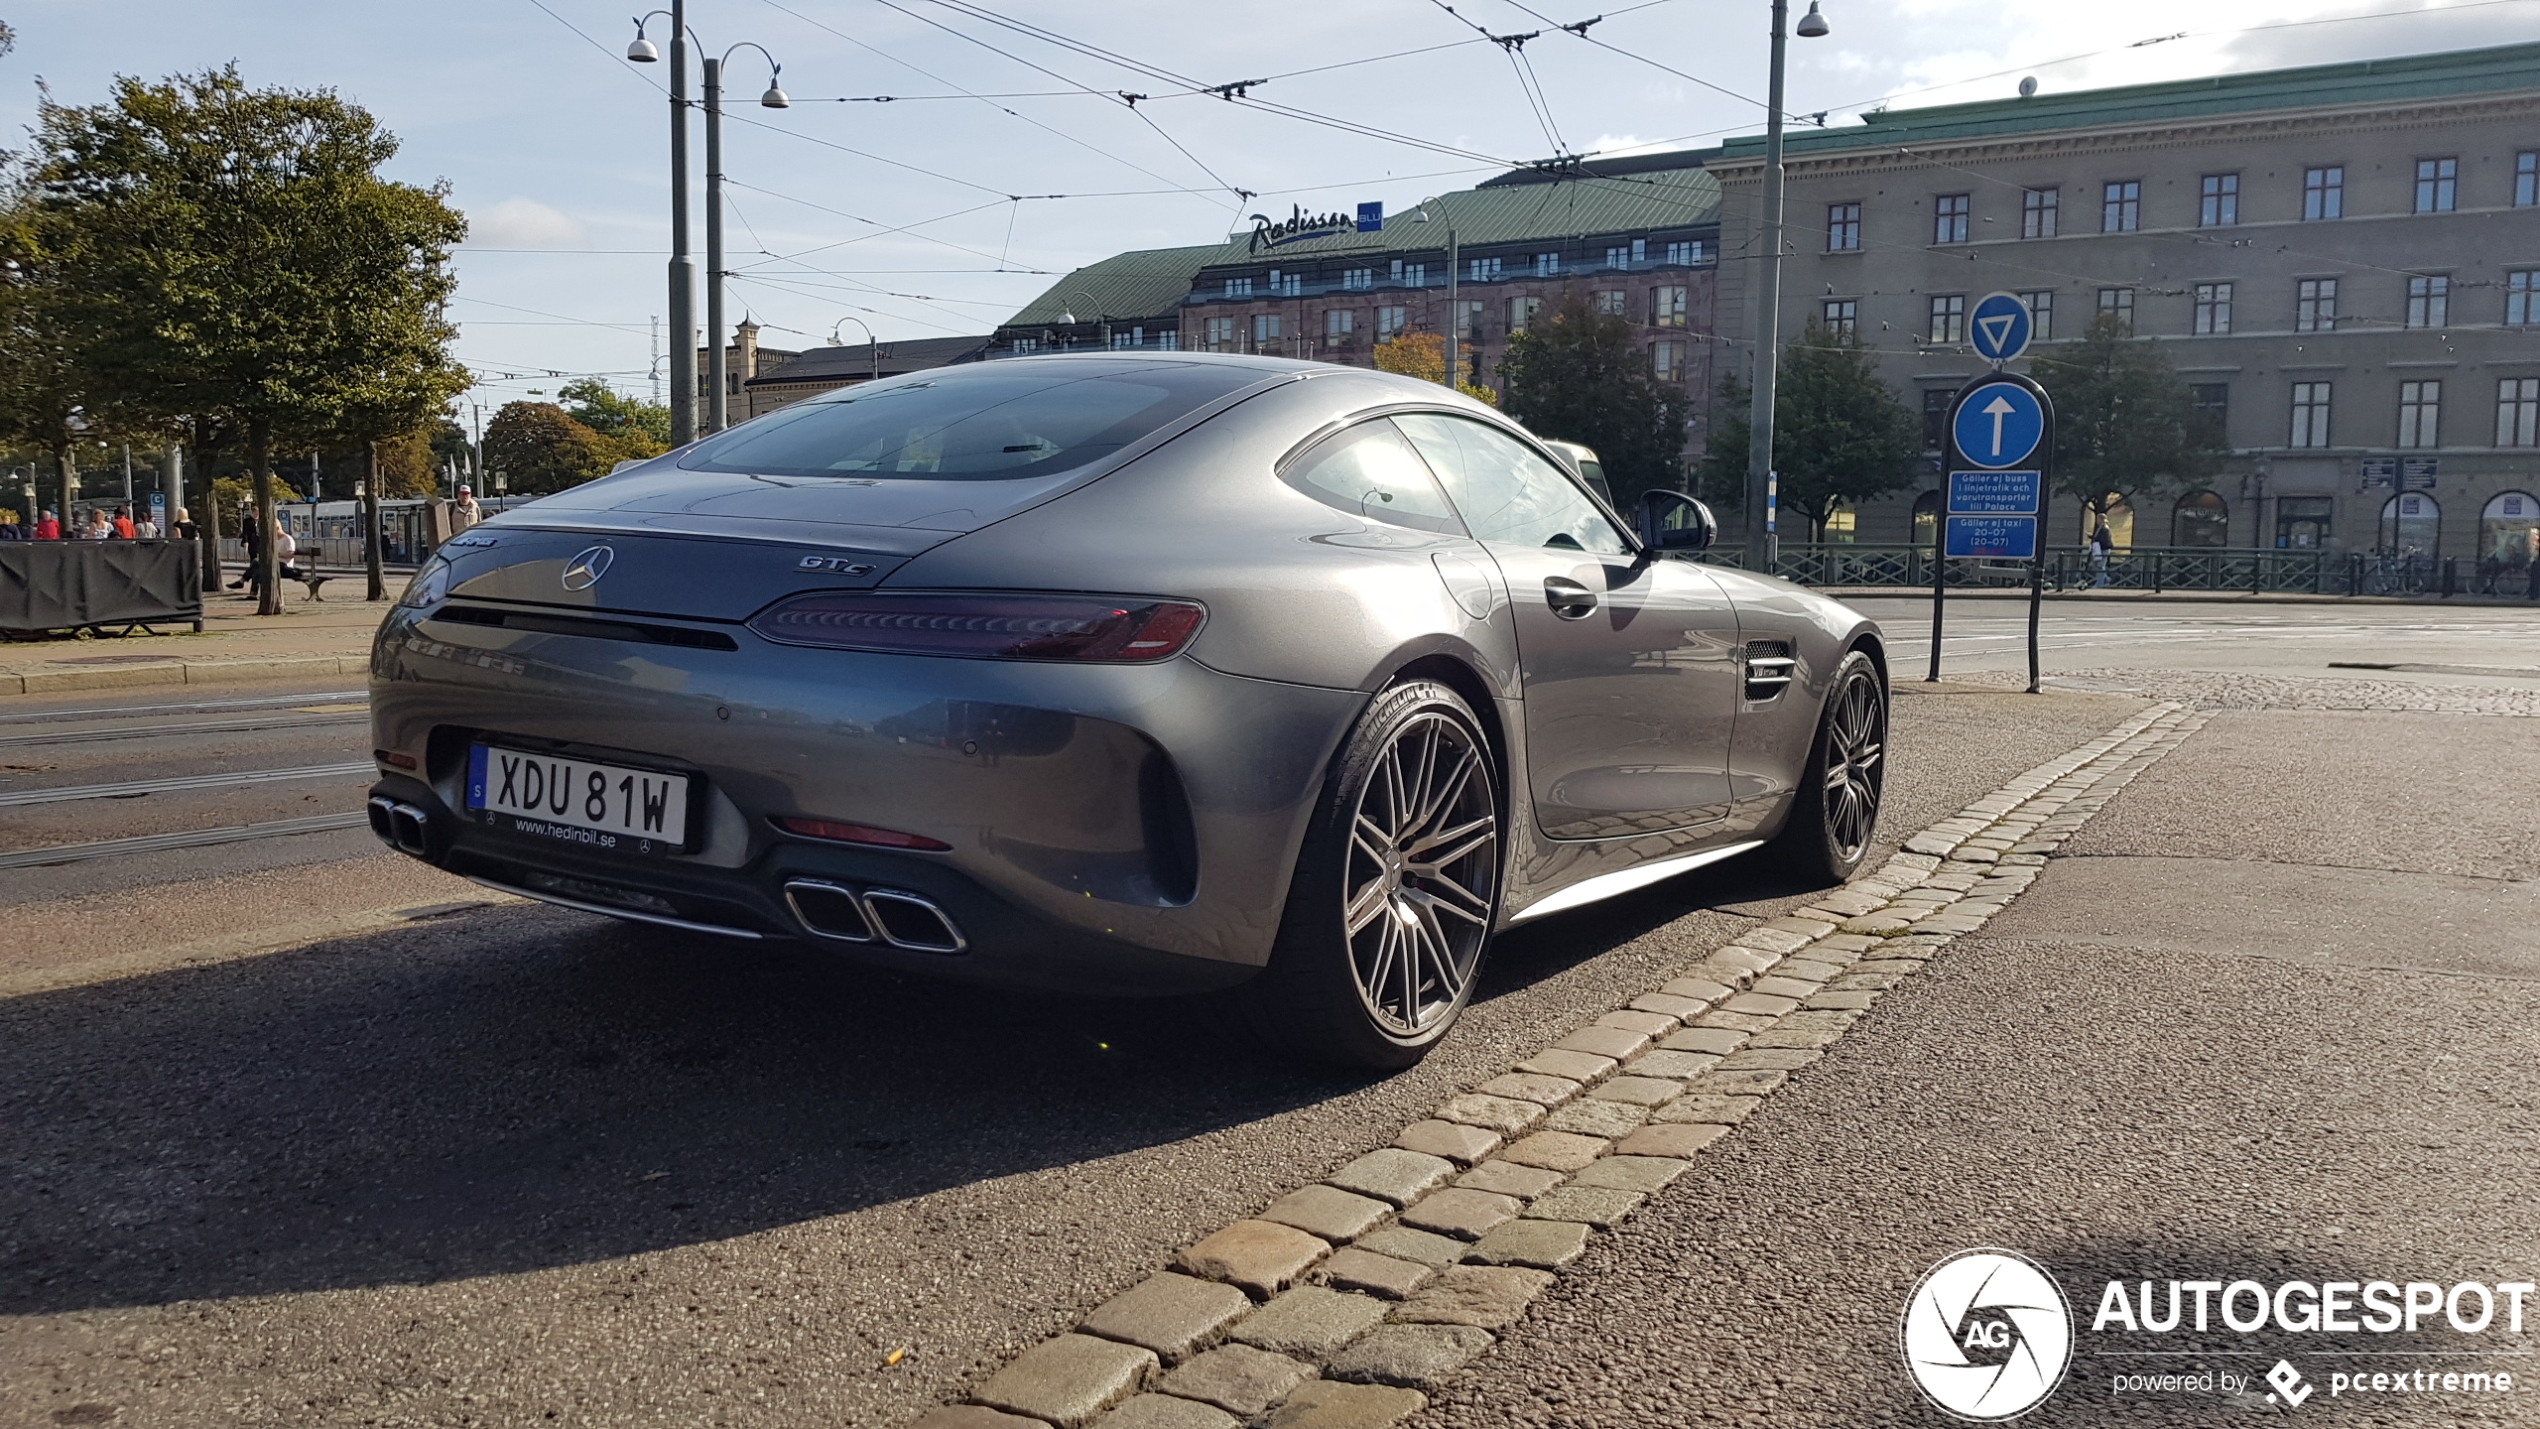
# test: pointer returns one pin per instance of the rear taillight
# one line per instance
(985, 625)
(837, 832)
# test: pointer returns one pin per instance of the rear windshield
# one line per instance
(983, 423)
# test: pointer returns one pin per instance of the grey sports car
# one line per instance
(1124, 673)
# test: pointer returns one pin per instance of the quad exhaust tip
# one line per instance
(401, 826)
(903, 920)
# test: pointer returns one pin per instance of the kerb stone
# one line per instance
(1326, 1405)
(1671, 1139)
(1589, 1205)
(1262, 1257)
(1163, 1411)
(1311, 1321)
(1068, 1380)
(1544, 1245)
(1505, 1115)
(1173, 1315)
(1555, 1150)
(1239, 1379)
(1454, 1141)
(1414, 1356)
(1487, 1296)
(1460, 1213)
(1393, 1174)
(1355, 1269)
(1632, 1173)
(1328, 1212)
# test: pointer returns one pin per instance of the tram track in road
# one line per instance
(162, 731)
(188, 838)
(321, 697)
(138, 787)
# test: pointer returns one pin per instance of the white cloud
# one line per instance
(524, 223)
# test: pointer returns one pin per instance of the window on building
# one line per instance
(1468, 320)
(1936, 402)
(2527, 178)
(1340, 323)
(2411, 524)
(1949, 317)
(2310, 415)
(1265, 330)
(2213, 308)
(1618, 257)
(1949, 217)
(1289, 284)
(2420, 414)
(1521, 311)
(2211, 402)
(2038, 212)
(1358, 280)
(2118, 303)
(1667, 361)
(1841, 316)
(2518, 412)
(2218, 200)
(2509, 530)
(1127, 338)
(1221, 334)
(2520, 285)
(2429, 301)
(1408, 275)
(1389, 323)
(1023, 345)
(1667, 306)
(1843, 228)
(2438, 185)
(1686, 253)
(2324, 192)
(1927, 518)
(2121, 206)
(2041, 312)
(1547, 265)
(1169, 340)
(1239, 287)
(1483, 270)
(2315, 305)
(2200, 519)
(1613, 303)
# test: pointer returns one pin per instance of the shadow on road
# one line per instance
(532, 1088)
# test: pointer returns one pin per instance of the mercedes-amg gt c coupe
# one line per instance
(1123, 673)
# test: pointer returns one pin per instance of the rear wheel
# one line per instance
(1835, 810)
(1390, 911)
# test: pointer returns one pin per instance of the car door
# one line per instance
(1629, 662)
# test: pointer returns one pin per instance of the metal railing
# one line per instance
(2155, 568)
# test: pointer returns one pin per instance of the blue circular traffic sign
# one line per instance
(2000, 327)
(1998, 424)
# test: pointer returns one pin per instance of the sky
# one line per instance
(1006, 154)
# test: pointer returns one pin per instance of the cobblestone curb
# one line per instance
(1342, 1303)
(48, 679)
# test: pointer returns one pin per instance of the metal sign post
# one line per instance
(1997, 451)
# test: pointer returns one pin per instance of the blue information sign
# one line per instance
(1999, 424)
(2000, 327)
(1371, 218)
(1993, 493)
(2002, 538)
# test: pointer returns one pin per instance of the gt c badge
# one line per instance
(835, 565)
(584, 571)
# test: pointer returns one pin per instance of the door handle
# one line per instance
(1568, 599)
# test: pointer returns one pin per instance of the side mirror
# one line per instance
(1673, 521)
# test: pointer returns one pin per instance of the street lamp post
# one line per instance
(1069, 317)
(1768, 302)
(1454, 315)
(872, 349)
(718, 409)
(683, 271)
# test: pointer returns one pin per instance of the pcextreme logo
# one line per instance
(1987, 1334)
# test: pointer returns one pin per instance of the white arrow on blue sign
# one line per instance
(2000, 327)
(1999, 424)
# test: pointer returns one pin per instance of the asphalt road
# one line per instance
(493, 1163)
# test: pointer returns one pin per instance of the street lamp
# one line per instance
(1767, 327)
(683, 273)
(718, 409)
(1069, 317)
(872, 349)
(1454, 315)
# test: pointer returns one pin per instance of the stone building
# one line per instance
(2343, 261)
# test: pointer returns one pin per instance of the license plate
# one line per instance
(607, 807)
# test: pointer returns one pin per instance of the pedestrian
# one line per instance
(285, 547)
(144, 529)
(253, 545)
(10, 530)
(2101, 543)
(464, 512)
(124, 529)
(183, 525)
(48, 527)
(100, 528)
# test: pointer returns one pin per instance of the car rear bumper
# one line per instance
(1118, 828)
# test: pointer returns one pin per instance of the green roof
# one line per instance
(2498, 68)
(1151, 282)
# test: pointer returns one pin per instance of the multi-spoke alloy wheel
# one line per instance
(1835, 810)
(1389, 914)
(1423, 871)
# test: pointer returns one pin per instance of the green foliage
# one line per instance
(1720, 477)
(239, 260)
(1579, 375)
(631, 420)
(2125, 424)
(1840, 435)
(540, 448)
(1423, 355)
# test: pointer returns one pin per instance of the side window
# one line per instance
(1506, 492)
(1369, 470)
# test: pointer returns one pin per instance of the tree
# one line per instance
(632, 421)
(241, 259)
(2126, 426)
(1840, 436)
(47, 366)
(1581, 376)
(407, 466)
(541, 449)
(1423, 355)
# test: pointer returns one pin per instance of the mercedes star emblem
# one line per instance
(584, 571)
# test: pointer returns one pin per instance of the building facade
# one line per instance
(1638, 238)
(2342, 261)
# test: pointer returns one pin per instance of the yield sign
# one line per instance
(2000, 327)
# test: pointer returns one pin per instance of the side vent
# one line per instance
(1768, 668)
